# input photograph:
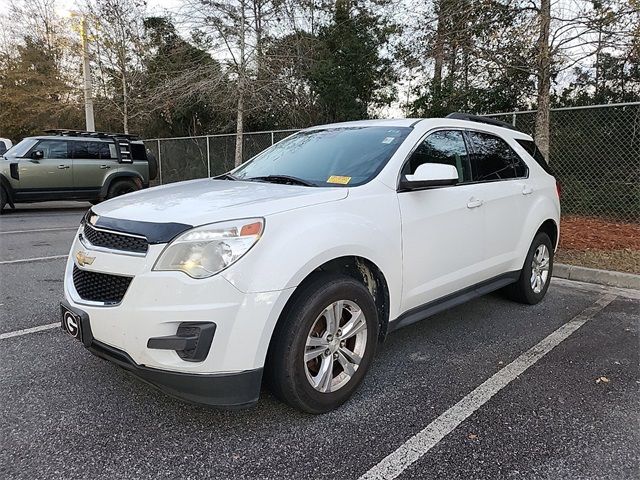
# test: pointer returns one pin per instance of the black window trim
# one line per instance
(422, 139)
(474, 159)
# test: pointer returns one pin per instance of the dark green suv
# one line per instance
(74, 165)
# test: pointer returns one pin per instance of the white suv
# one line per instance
(296, 265)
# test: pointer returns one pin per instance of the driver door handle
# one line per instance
(104, 167)
(62, 167)
(527, 190)
(474, 203)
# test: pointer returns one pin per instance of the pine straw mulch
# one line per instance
(597, 243)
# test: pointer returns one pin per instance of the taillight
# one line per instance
(559, 189)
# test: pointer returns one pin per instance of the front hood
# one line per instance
(198, 202)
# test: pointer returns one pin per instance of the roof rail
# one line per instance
(479, 119)
(84, 133)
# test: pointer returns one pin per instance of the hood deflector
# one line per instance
(152, 231)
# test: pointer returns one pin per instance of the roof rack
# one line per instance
(479, 119)
(84, 133)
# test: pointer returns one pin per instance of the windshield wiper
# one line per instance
(286, 179)
(225, 176)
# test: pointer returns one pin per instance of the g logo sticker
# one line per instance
(71, 325)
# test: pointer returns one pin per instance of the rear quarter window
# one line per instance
(138, 152)
(533, 150)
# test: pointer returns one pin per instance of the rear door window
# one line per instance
(86, 150)
(495, 159)
(108, 151)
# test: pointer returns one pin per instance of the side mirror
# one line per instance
(37, 155)
(429, 175)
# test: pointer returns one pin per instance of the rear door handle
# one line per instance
(527, 190)
(474, 203)
(104, 167)
(62, 167)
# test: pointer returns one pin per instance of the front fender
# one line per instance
(297, 242)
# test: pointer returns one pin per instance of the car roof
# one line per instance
(427, 123)
(381, 122)
(78, 138)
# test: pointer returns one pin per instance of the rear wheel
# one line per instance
(120, 187)
(535, 276)
(324, 344)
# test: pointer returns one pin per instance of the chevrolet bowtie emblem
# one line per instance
(83, 259)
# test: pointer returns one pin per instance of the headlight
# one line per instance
(204, 251)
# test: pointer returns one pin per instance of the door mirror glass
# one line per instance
(37, 154)
(429, 175)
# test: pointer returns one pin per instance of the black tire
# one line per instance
(120, 187)
(153, 165)
(286, 371)
(3, 199)
(522, 291)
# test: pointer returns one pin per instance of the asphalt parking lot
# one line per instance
(490, 389)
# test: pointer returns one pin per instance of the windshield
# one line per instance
(330, 157)
(20, 149)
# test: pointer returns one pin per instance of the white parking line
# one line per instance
(414, 448)
(35, 259)
(38, 230)
(27, 331)
(39, 215)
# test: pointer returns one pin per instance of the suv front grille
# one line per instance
(114, 241)
(100, 287)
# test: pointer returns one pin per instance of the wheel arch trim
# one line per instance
(118, 176)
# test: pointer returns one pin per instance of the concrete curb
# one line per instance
(593, 275)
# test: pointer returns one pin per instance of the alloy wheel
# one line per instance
(540, 268)
(335, 346)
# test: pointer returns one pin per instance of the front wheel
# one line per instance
(3, 199)
(324, 344)
(535, 276)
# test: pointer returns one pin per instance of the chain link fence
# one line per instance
(595, 152)
(186, 158)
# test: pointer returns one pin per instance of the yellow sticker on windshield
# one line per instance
(338, 179)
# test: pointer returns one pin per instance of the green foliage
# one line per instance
(34, 93)
(169, 57)
(350, 75)
(483, 67)
(306, 63)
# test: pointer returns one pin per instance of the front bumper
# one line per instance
(232, 390)
(137, 331)
(229, 390)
